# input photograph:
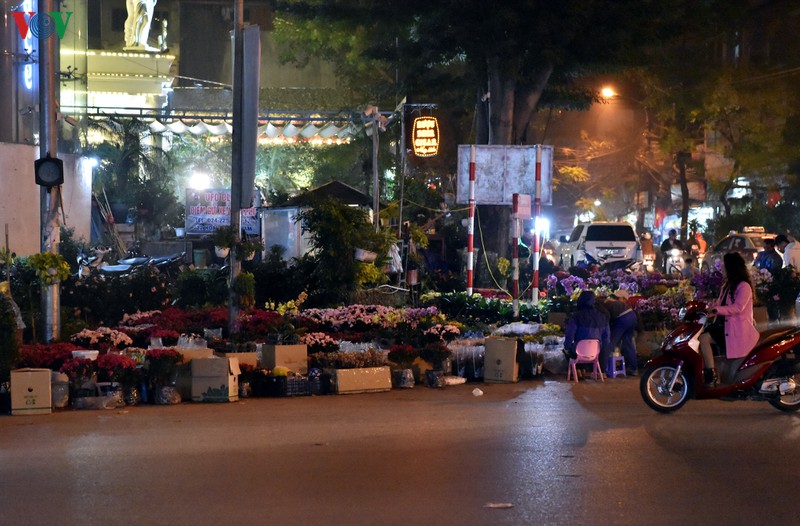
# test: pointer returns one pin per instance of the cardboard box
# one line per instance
(245, 358)
(215, 379)
(293, 357)
(30, 392)
(190, 353)
(500, 361)
(361, 380)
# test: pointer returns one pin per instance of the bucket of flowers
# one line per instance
(120, 373)
(403, 355)
(81, 374)
(162, 366)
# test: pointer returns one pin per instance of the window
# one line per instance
(610, 233)
(724, 245)
(576, 233)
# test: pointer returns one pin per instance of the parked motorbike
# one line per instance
(87, 265)
(171, 265)
(770, 372)
(90, 263)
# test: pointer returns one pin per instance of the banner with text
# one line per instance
(209, 209)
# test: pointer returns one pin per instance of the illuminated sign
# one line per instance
(27, 38)
(425, 136)
(40, 25)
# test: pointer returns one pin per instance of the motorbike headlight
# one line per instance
(682, 313)
(675, 252)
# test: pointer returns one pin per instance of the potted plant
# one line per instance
(248, 247)
(224, 238)
(355, 372)
(50, 268)
(244, 285)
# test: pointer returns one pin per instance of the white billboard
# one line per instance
(502, 171)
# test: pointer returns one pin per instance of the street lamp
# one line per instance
(608, 92)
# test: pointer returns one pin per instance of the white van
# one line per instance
(599, 242)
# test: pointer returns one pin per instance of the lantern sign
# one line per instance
(425, 136)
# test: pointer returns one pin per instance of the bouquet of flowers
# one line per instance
(403, 354)
(118, 368)
(161, 365)
(441, 333)
(435, 353)
(168, 336)
(102, 338)
(79, 371)
(319, 342)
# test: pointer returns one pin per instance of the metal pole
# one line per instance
(403, 160)
(49, 197)
(515, 256)
(471, 223)
(537, 210)
(376, 191)
(236, 159)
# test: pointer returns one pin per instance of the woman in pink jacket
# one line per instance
(738, 335)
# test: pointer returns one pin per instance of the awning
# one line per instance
(298, 125)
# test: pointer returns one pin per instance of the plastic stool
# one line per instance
(617, 366)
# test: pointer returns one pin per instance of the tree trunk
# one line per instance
(528, 99)
(510, 111)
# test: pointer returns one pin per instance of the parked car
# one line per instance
(597, 243)
(749, 242)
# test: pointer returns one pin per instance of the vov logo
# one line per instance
(41, 25)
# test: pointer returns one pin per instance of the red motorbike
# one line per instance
(770, 372)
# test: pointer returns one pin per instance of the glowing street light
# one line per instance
(608, 92)
(199, 181)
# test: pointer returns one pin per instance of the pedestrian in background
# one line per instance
(587, 323)
(769, 258)
(790, 249)
(623, 322)
(690, 270)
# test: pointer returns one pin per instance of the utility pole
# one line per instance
(49, 196)
(246, 75)
(236, 159)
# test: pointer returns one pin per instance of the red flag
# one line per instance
(660, 215)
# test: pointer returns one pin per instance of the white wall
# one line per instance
(19, 197)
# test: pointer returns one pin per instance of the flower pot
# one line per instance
(403, 378)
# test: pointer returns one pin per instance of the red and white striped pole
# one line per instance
(537, 210)
(515, 256)
(471, 222)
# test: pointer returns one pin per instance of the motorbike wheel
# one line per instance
(789, 402)
(654, 387)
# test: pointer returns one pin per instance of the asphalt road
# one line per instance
(543, 451)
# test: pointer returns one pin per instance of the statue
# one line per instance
(137, 25)
(162, 38)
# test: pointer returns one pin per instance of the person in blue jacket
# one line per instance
(587, 323)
